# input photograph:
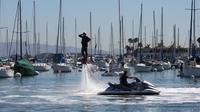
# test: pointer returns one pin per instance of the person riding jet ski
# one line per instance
(124, 83)
(137, 87)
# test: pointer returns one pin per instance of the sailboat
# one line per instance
(41, 66)
(166, 64)
(156, 65)
(59, 64)
(5, 70)
(141, 67)
(190, 68)
(112, 66)
(22, 66)
(38, 66)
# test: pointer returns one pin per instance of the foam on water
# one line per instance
(177, 95)
(88, 83)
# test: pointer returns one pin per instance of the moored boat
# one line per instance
(61, 67)
(157, 67)
(41, 67)
(6, 72)
(142, 68)
(59, 64)
(166, 65)
(25, 68)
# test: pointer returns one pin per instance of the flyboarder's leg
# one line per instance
(82, 51)
(83, 55)
(86, 54)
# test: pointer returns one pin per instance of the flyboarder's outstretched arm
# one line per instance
(81, 35)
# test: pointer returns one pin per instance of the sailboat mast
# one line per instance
(140, 33)
(154, 34)
(34, 29)
(194, 24)
(20, 17)
(178, 46)
(162, 34)
(174, 46)
(38, 44)
(7, 43)
(0, 11)
(190, 40)
(59, 27)
(112, 41)
(141, 23)
(75, 39)
(26, 42)
(152, 40)
(17, 38)
(122, 37)
(47, 50)
(100, 48)
(120, 46)
(194, 30)
(91, 33)
(99, 40)
(95, 43)
(133, 33)
(145, 35)
(63, 36)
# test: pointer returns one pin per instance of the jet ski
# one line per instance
(134, 88)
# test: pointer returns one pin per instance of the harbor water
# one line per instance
(64, 92)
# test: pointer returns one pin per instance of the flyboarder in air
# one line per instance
(84, 42)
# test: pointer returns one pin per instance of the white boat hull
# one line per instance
(6, 72)
(167, 66)
(62, 67)
(144, 68)
(41, 67)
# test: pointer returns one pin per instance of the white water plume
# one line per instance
(88, 83)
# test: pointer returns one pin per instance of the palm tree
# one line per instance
(140, 44)
(130, 41)
(135, 40)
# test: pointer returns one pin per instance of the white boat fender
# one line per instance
(18, 74)
(193, 76)
(37, 72)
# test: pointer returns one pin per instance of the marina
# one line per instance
(69, 56)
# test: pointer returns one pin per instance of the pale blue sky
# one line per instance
(104, 12)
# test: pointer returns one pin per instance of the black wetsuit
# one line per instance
(123, 80)
(84, 42)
